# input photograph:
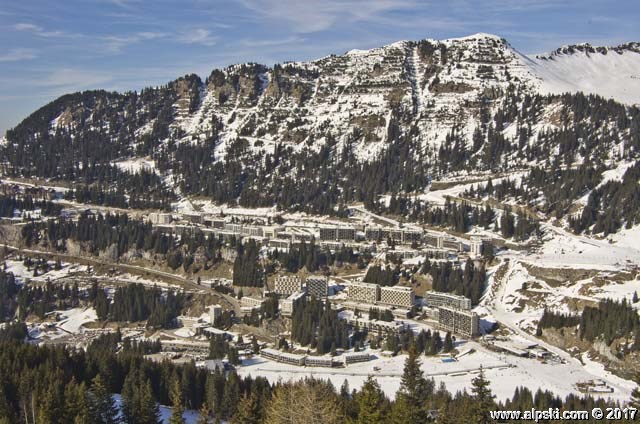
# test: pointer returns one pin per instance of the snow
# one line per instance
(612, 75)
(73, 319)
(566, 250)
(135, 165)
(505, 372)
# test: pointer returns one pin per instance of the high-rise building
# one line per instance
(364, 292)
(287, 285)
(435, 299)
(317, 286)
(215, 312)
(397, 296)
(465, 323)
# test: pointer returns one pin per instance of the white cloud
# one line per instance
(198, 36)
(16, 55)
(311, 16)
(115, 43)
(37, 30)
(69, 79)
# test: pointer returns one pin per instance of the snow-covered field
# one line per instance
(504, 371)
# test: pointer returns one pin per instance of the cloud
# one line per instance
(37, 30)
(310, 16)
(116, 43)
(16, 55)
(198, 36)
(69, 79)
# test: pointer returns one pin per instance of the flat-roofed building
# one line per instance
(215, 312)
(288, 305)
(251, 302)
(286, 285)
(193, 217)
(160, 218)
(397, 296)
(457, 321)
(319, 361)
(434, 299)
(328, 233)
(317, 286)
(284, 357)
(377, 327)
(354, 357)
(364, 292)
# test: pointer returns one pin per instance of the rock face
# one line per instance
(427, 88)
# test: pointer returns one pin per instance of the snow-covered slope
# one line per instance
(612, 73)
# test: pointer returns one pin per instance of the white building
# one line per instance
(397, 296)
(215, 312)
(288, 305)
(160, 218)
(434, 299)
(465, 323)
(287, 285)
(364, 292)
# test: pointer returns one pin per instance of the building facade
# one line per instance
(317, 286)
(364, 292)
(464, 323)
(397, 296)
(435, 299)
(287, 285)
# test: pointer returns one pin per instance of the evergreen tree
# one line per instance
(177, 403)
(101, 407)
(248, 411)
(204, 413)
(415, 390)
(483, 399)
(371, 403)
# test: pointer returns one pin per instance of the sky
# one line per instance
(49, 48)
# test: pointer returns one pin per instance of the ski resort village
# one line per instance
(271, 238)
(288, 295)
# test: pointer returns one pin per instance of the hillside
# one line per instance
(349, 128)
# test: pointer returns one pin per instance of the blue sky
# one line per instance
(48, 48)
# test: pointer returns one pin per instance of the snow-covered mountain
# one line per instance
(430, 86)
(411, 111)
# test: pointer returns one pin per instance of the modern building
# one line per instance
(477, 246)
(377, 327)
(287, 285)
(317, 286)
(319, 361)
(288, 305)
(284, 357)
(215, 312)
(160, 218)
(434, 299)
(329, 233)
(464, 323)
(194, 218)
(251, 302)
(397, 296)
(364, 292)
(353, 357)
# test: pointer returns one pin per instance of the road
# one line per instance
(132, 269)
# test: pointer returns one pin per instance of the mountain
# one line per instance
(405, 113)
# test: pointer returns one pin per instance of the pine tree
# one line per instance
(248, 411)
(414, 389)
(177, 403)
(101, 407)
(482, 399)
(371, 403)
(448, 343)
(635, 297)
(205, 413)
